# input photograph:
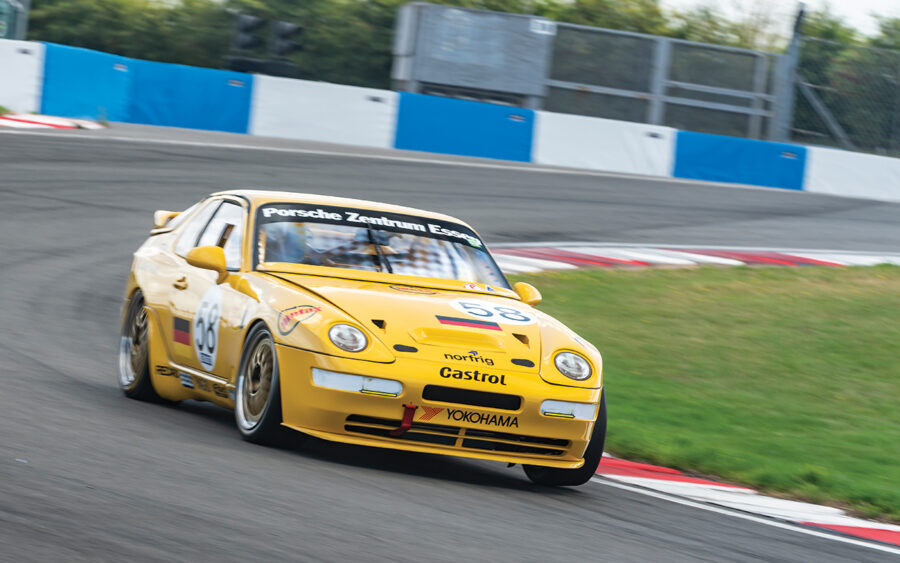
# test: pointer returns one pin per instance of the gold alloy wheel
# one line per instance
(134, 348)
(257, 384)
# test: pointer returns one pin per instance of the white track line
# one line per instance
(752, 518)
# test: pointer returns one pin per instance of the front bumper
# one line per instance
(513, 431)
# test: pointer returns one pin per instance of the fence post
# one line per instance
(780, 130)
(662, 58)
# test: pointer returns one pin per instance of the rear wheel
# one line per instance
(555, 477)
(257, 408)
(134, 352)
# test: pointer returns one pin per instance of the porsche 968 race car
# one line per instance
(362, 323)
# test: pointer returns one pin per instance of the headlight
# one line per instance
(348, 338)
(572, 366)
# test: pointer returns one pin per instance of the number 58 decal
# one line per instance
(206, 327)
(488, 311)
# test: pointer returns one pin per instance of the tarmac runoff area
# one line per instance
(86, 474)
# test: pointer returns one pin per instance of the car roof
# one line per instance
(260, 197)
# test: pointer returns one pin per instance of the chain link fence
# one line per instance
(645, 78)
(847, 96)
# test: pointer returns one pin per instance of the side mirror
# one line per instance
(162, 217)
(527, 293)
(209, 258)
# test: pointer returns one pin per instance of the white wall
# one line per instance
(853, 174)
(21, 75)
(577, 141)
(319, 111)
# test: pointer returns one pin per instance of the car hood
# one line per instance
(455, 327)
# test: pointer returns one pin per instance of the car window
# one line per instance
(226, 230)
(362, 239)
(188, 238)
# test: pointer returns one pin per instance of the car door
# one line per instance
(206, 315)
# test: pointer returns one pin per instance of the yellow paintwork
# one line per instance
(317, 297)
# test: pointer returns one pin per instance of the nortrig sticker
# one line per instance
(487, 311)
(206, 327)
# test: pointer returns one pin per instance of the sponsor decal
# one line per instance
(220, 390)
(202, 384)
(471, 323)
(186, 380)
(396, 222)
(473, 375)
(472, 356)
(472, 286)
(181, 331)
(166, 371)
(231, 394)
(410, 289)
(289, 318)
(491, 289)
(430, 412)
(488, 311)
(206, 327)
(472, 417)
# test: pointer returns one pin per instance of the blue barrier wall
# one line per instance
(190, 97)
(442, 125)
(86, 84)
(699, 156)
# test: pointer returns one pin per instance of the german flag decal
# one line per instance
(181, 332)
(471, 323)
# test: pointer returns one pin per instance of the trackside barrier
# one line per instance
(699, 156)
(21, 75)
(852, 174)
(323, 112)
(444, 125)
(86, 84)
(576, 141)
(190, 97)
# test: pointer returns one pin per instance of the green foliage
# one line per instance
(4, 111)
(780, 378)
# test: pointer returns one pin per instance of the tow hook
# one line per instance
(408, 413)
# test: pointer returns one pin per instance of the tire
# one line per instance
(134, 353)
(257, 404)
(555, 477)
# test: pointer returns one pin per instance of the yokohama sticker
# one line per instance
(206, 327)
(492, 312)
(288, 319)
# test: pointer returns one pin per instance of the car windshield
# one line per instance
(375, 241)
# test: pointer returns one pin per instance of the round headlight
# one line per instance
(348, 338)
(572, 366)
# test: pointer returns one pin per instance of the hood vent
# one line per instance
(379, 323)
(522, 338)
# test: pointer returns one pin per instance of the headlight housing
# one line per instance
(573, 366)
(348, 338)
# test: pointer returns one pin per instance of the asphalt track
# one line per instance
(86, 474)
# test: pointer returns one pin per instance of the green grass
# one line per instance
(4, 111)
(786, 379)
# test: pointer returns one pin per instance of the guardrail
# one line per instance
(79, 83)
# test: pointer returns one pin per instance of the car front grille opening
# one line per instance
(442, 435)
(473, 398)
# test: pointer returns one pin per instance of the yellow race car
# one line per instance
(358, 322)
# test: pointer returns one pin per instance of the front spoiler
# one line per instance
(414, 447)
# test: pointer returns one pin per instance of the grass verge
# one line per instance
(785, 379)
(4, 111)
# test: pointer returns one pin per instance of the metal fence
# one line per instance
(645, 78)
(847, 96)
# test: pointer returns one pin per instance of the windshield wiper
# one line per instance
(382, 259)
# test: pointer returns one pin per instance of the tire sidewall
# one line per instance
(270, 420)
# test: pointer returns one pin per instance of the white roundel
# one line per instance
(488, 311)
(206, 327)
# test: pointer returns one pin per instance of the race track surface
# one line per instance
(86, 474)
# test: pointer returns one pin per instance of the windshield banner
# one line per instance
(367, 218)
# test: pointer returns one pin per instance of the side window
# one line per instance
(226, 229)
(188, 238)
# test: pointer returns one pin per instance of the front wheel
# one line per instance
(257, 406)
(555, 477)
(134, 352)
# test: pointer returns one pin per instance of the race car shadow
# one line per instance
(429, 466)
